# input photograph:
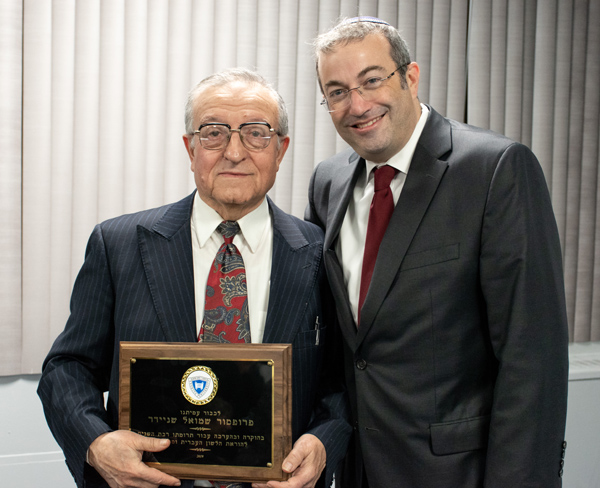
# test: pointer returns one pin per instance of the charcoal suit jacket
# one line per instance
(457, 372)
(137, 284)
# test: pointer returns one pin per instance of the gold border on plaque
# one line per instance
(278, 356)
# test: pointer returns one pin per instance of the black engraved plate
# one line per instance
(234, 428)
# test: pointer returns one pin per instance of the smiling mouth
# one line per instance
(368, 124)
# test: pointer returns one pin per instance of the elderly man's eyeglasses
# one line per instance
(254, 135)
(339, 98)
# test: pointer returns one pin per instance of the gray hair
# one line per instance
(346, 31)
(230, 76)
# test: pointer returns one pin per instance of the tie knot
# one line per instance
(384, 176)
(228, 229)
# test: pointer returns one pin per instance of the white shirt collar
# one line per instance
(401, 160)
(205, 220)
(253, 225)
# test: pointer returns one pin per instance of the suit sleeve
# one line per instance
(330, 419)
(76, 371)
(310, 212)
(522, 283)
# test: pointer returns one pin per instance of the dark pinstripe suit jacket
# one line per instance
(136, 284)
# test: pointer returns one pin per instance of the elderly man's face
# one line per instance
(234, 180)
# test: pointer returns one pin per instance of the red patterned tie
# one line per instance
(382, 207)
(226, 293)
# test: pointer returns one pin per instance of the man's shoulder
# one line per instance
(473, 131)
(148, 218)
(336, 162)
(289, 224)
(472, 136)
(312, 232)
(463, 145)
(345, 156)
(472, 143)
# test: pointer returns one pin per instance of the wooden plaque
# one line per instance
(225, 407)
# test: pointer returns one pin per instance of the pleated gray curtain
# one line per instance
(534, 75)
(11, 32)
(92, 95)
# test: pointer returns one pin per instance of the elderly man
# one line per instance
(150, 277)
(454, 320)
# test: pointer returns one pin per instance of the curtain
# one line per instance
(534, 75)
(11, 32)
(95, 89)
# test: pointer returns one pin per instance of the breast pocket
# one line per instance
(430, 256)
(309, 338)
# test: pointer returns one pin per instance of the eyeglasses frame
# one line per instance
(239, 131)
(325, 102)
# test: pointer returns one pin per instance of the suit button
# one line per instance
(560, 473)
(361, 364)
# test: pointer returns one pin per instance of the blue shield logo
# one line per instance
(199, 386)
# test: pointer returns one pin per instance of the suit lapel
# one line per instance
(166, 251)
(294, 265)
(340, 193)
(424, 176)
(335, 275)
(342, 186)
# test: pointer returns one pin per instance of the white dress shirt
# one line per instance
(350, 246)
(255, 243)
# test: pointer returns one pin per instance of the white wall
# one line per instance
(30, 458)
(582, 461)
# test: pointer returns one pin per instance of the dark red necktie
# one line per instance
(226, 298)
(382, 207)
(226, 293)
(234, 484)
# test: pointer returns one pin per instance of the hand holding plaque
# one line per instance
(117, 457)
(226, 409)
(306, 461)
